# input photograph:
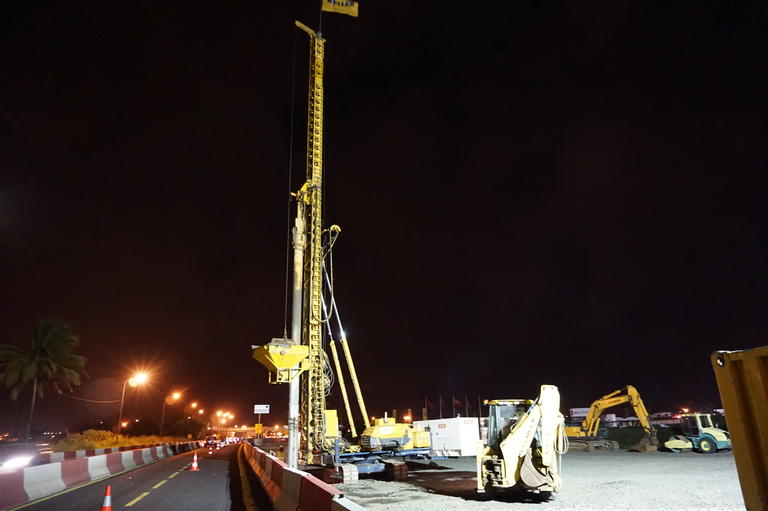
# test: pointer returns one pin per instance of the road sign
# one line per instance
(259, 409)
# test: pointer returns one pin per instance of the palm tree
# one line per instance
(49, 363)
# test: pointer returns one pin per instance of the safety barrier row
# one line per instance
(26, 484)
(294, 490)
(84, 453)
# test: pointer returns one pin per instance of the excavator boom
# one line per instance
(629, 394)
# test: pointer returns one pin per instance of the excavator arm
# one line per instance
(630, 395)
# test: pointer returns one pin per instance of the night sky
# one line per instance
(529, 192)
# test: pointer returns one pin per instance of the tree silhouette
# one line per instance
(50, 362)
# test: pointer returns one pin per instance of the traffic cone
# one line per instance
(194, 465)
(107, 504)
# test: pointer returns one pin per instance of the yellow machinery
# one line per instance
(525, 439)
(301, 360)
(699, 433)
(386, 433)
(742, 378)
(585, 436)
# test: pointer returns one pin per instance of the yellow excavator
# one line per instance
(525, 439)
(584, 437)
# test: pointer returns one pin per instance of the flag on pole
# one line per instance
(341, 6)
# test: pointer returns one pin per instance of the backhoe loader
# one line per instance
(525, 437)
(585, 436)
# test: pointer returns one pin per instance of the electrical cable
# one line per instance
(91, 400)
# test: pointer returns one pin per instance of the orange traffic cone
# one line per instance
(107, 504)
(194, 465)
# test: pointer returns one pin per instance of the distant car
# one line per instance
(211, 441)
(18, 454)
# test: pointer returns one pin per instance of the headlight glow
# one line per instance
(18, 461)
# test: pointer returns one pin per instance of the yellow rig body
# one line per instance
(387, 434)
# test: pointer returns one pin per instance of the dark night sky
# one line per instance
(529, 192)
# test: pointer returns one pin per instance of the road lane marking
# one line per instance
(137, 499)
(173, 475)
(158, 485)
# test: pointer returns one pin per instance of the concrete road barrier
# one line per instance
(26, 484)
(293, 490)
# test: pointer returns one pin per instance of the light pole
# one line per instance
(134, 381)
(168, 400)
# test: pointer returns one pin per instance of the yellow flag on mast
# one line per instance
(341, 6)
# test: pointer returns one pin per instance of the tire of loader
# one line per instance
(395, 471)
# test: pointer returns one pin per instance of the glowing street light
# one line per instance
(194, 404)
(200, 411)
(137, 379)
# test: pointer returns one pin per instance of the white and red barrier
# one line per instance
(85, 453)
(26, 484)
(294, 490)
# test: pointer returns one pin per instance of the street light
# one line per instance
(168, 400)
(134, 381)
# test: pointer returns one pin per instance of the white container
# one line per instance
(452, 437)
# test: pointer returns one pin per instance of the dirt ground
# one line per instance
(597, 480)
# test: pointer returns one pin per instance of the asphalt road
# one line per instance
(167, 484)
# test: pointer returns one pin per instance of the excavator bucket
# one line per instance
(646, 444)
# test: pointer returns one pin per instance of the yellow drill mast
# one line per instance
(301, 360)
(312, 424)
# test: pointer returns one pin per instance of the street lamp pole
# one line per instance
(135, 380)
(162, 418)
(120, 416)
(174, 397)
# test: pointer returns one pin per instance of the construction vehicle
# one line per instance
(585, 436)
(302, 360)
(699, 434)
(525, 438)
(741, 377)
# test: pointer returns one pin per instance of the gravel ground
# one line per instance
(597, 480)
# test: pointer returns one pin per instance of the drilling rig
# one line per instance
(301, 360)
